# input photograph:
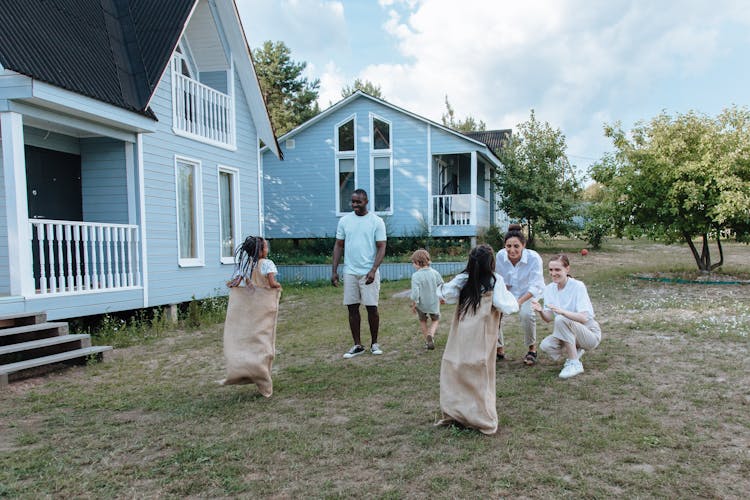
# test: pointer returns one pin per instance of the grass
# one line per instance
(661, 411)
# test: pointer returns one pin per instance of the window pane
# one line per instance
(382, 184)
(186, 216)
(227, 214)
(346, 184)
(381, 134)
(346, 136)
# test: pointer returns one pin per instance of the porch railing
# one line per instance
(455, 210)
(79, 256)
(202, 111)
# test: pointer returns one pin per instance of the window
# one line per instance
(381, 134)
(380, 152)
(189, 212)
(346, 162)
(229, 213)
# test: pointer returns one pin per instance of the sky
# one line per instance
(577, 63)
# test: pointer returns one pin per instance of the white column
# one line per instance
(473, 216)
(16, 205)
(429, 179)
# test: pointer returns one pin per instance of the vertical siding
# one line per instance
(169, 283)
(300, 192)
(4, 271)
(103, 181)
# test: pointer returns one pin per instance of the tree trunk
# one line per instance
(721, 251)
(703, 260)
(530, 242)
(698, 257)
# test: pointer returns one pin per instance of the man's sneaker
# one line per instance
(375, 349)
(580, 352)
(430, 344)
(571, 368)
(354, 351)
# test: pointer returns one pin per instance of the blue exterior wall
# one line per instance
(104, 186)
(300, 191)
(168, 282)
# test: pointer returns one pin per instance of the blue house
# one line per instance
(422, 177)
(129, 159)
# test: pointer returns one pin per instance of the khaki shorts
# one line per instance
(423, 315)
(356, 292)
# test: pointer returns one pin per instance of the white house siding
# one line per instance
(300, 192)
(169, 283)
(4, 271)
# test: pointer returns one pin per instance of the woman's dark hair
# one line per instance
(481, 279)
(246, 255)
(515, 231)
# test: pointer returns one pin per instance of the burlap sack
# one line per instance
(467, 372)
(250, 334)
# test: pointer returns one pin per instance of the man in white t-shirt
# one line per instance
(360, 238)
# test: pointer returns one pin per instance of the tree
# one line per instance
(365, 86)
(681, 177)
(537, 183)
(468, 124)
(291, 98)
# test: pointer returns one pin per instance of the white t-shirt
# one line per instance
(574, 297)
(525, 276)
(360, 234)
(501, 297)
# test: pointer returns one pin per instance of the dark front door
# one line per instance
(53, 189)
(53, 181)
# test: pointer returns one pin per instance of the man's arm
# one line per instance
(379, 256)
(338, 250)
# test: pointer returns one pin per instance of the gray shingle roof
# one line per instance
(492, 138)
(111, 50)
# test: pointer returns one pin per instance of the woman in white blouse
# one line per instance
(521, 270)
(567, 303)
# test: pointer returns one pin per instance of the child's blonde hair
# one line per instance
(421, 257)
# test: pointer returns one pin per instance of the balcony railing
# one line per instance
(81, 256)
(455, 210)
(201, 111)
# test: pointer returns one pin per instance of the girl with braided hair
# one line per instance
(467, 371)
(250, 326)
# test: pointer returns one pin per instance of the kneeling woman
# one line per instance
(567, 303)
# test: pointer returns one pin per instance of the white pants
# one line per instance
(585, 336)
(527, 317)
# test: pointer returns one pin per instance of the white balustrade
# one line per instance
(80, 256)
(200, 110)
(455, 210)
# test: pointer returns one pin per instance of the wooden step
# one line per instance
(21, 319)
(32, 332)
(78, 354)
(43, 347)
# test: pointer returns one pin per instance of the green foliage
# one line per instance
(537, 183)
(493, 237)
(365, 86)
(679, 177)
(468, 124)
(290, 97)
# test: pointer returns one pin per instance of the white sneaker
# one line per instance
(375, 349)
(580, 352)
(571, 368)
(354, 351)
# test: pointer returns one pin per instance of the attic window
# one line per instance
(290, 143)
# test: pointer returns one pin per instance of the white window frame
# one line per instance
(199, 260)
(344, 155)
(381, 153)
(236, 225)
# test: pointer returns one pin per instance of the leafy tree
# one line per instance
(537, 183)
(290, 97)
(681, 177)
(468, 124)
(365, 86)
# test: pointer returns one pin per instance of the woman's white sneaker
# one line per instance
(571, 368)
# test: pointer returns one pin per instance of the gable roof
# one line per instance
(492, 138)
(360, 94)
(111, 50)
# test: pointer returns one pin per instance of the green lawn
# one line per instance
(662, 410)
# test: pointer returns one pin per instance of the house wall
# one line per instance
(103, 181)
(4, 270)
(300, 192)
(168, 282)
